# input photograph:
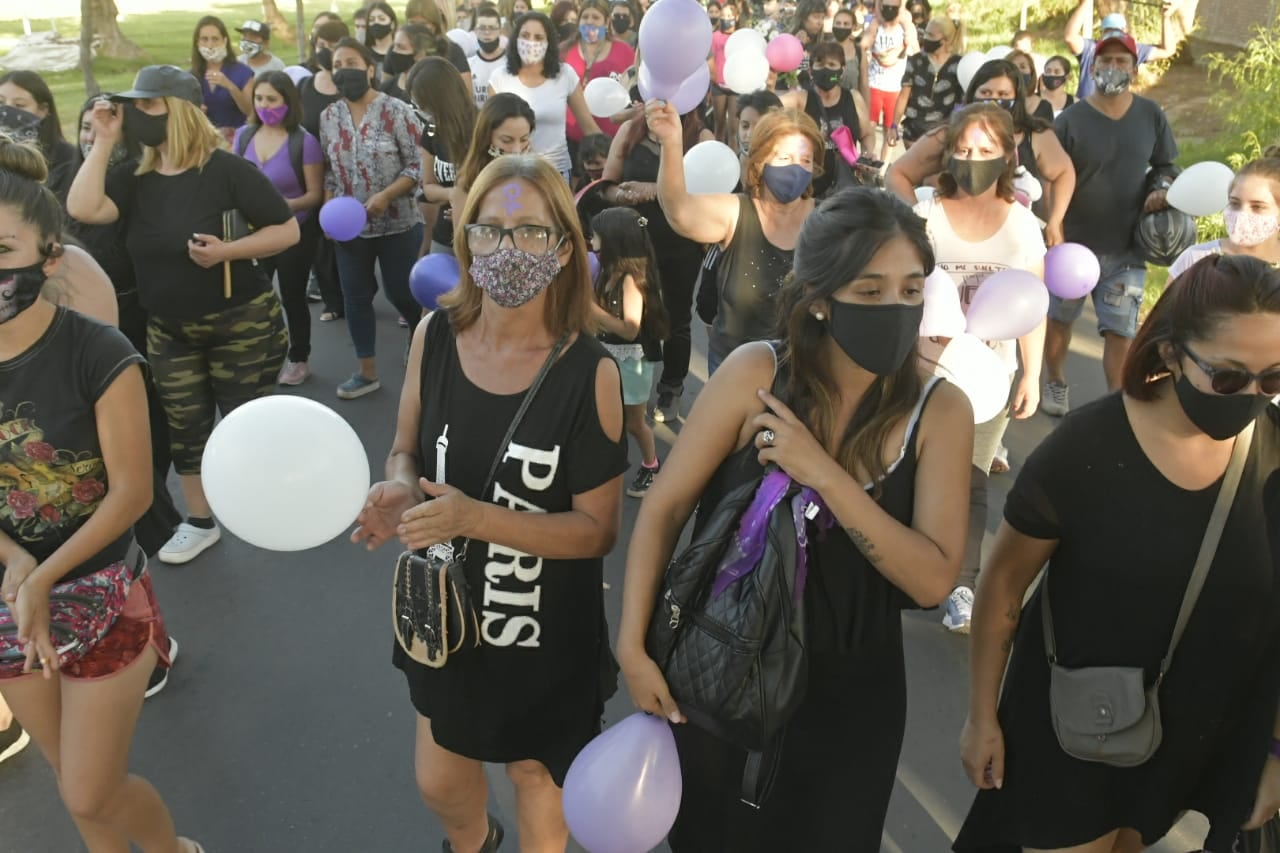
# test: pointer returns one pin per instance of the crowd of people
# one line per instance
(169, 259)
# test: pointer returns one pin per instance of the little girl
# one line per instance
(631, 321)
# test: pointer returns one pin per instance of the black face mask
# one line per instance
(324, 58)
(841, 33)
(889, 13)
(825, 79)
(352, 83)
(1219, 416)
(19, 289)
(1029, 81)
(1053, 81)
(143, 128)
(727, 24)
(379, 31)
(930, 45)
(568, 30)
(1006, 104)
(621, 24)
(877, 337)
(489, 46)
(976, 176)
(396, 64)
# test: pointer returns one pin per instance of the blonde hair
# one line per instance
(569, 296)
(952, 32)
(191, 138)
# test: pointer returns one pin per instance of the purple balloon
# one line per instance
(432, 277)
(685, 97)
(623, 790)
(1007, 305)
(675, 38)
(651, 89)
(1071, 270)
(593, 262)
(343, 218)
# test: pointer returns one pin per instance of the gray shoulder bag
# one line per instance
(1107, 714)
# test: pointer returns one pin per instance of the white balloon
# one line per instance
(467, 41)
(1202, 189)
(924, 194)
(1000, 51)
(747, 39)
(1029, 184)
(974, 368)
(746, 71)
(285, 473)
(711, 167)
(606, 96)
(968, 67)
(943, 316)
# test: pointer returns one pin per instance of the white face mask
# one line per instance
(250, 48)
(1247, 229)
(496, 152)
(531, 51)
(214, 54)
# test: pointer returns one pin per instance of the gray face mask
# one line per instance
(118, 153)
(1112, 81)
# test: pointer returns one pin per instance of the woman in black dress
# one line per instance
(886, 451)
(1116, 501)
(535, 563)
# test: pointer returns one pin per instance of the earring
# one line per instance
(819, 316)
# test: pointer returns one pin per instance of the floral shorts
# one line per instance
(138, 626)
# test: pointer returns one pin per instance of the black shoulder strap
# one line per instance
(297, 137)
(242, 145)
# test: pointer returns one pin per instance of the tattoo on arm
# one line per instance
(864, 545)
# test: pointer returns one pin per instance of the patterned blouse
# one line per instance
(933, 94)
(366, 160)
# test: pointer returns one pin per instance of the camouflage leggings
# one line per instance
(213, 364)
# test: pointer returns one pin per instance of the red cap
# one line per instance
(1124, 40)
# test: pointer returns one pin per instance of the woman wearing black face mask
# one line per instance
(930, 87)
(1117, 501)
(834, 107)
(886, 44)
(883, 448)
(413, 42)
(622, 20)
(380, 31)
(978, 228)
(1053, 84)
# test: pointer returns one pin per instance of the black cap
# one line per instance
(163, 81)
(257, 28)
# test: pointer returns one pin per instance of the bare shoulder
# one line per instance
(948, 411)
(83, 286)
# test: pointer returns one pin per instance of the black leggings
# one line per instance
(679, 272)
(293, 266)
(326, 270)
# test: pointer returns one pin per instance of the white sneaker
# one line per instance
(959, 610)
(188, 542)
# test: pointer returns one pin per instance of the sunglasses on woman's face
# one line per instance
(1233, 380)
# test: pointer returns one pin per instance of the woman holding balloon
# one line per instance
(535, 73)
(979, 231)
(537, 540)
(886, 451)
(594, 53)
(1252, 217)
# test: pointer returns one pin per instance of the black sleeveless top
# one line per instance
(641, 165)
(848, 603)
(828, 119)
(313, 104)
(541, 620)
(751, 274)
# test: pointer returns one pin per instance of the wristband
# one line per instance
(1275, 748)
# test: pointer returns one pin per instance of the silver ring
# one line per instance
(768, 437)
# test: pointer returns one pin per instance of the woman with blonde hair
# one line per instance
(197, 217)
(537, 537)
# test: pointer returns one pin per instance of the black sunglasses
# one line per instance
(1232, 380)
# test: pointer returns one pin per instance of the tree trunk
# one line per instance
(86, 49)
(302, 32)
(280, 29)
(114, 44)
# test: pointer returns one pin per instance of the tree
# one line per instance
(280, 28)
(86, 50)
(101, 15)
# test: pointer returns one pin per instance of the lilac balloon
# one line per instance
(623, 790)
(693, 91)
(593, 262)
(1007, 305)
(432, 277)
(651, 89)
(943, 316)
(1071, 270)
(343, 218)
(675, 38)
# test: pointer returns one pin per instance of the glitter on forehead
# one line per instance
(511, 193)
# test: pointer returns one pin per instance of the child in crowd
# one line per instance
(592, 154)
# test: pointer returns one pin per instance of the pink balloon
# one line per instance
(1007, 305)
(622, 792)
(1071, 271)
(675, 38)
(785, 53)
(943, 316)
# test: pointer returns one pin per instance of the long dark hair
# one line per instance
(283, 84)
(626, 250)
(437, 88)
(130, 147)
(385, 8)
(550, 62)
(50, 126)
(995, 69)
(199, 65)
(838, 239)
(497, 109)
(1192, 306)
(332, 32)
(691, 127)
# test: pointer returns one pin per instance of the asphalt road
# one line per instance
(285, 728)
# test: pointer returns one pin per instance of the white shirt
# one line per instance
(481, 70)
(549, 101)
(1192, 254)
(273, 64)
(1018, 244)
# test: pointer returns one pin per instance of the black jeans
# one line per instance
(293, 266)
(326, 270)
(679, 272)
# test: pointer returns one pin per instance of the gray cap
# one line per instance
(163, 81)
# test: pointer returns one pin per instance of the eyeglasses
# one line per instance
(534, 239)
(1233, 380)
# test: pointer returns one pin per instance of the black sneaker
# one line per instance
(644, 479)
(160, 675)
(667, 409)
(491, 842)
(12, 741)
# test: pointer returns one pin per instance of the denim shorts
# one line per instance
(1116, 299)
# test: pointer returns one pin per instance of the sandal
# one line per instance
(190, 846)
(491, 842)
(1000, 464)
(330, 316)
